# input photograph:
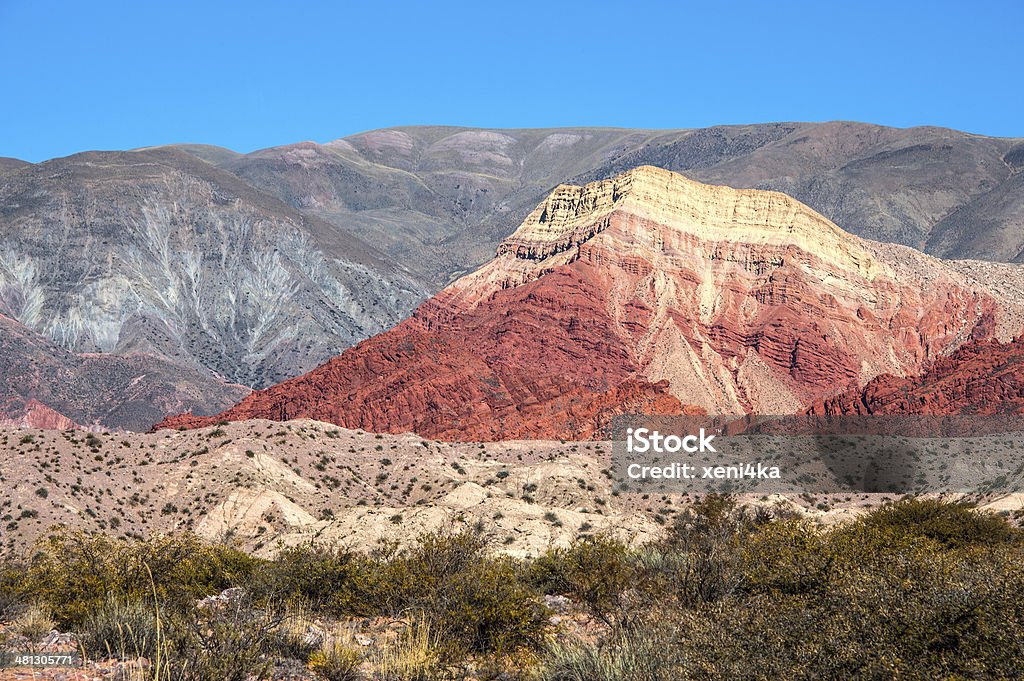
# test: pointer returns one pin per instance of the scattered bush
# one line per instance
(33, 623)
(915, 589)
(336, 661)
(951, 524)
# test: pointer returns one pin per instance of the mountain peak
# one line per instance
(572, 215)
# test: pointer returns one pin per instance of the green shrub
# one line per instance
(595, 570)
(12, 590)
(306, 575)
(231, 641)
(788, 556)
(75, 573)
(951, 524)
(473, 602)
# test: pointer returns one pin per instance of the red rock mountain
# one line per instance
(644, 293)
(984, 378)
(35, 414)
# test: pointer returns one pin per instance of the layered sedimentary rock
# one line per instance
(647, 292)
(983, 378)
(35, 414)
(540, 361)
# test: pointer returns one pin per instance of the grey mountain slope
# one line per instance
(207, 152)
(7, 164)
(113, 391)
(440, 198)
(989, 227)
(159, 252)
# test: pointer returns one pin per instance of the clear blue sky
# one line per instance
(104, 75)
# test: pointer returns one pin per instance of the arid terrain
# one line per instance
(263, 485)
(262, 482)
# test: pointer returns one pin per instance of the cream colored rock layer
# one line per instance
(709, 212)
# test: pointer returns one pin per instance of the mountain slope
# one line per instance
(43, 385)
(8, 164)
(257, 266)
(158, 252)
(990, 226)
(647, 292)
(983, 378)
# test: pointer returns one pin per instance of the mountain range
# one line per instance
(193, 274)
(652, 293)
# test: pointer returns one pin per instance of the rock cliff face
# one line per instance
(982, 377)
(647, 292)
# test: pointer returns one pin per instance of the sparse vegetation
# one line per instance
(915, 589)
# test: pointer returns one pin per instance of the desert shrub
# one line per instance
(307, 575)
(867, 600)
(701, 558)
(229, 641)
(75, 573)
(485, 609)
(472, 601)
(951, 524)
(335, 660)
(121, 629)
(715, 521)
(916, 620)
(12, 594)
(597, 571)
(789, 556)
(914, 590)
